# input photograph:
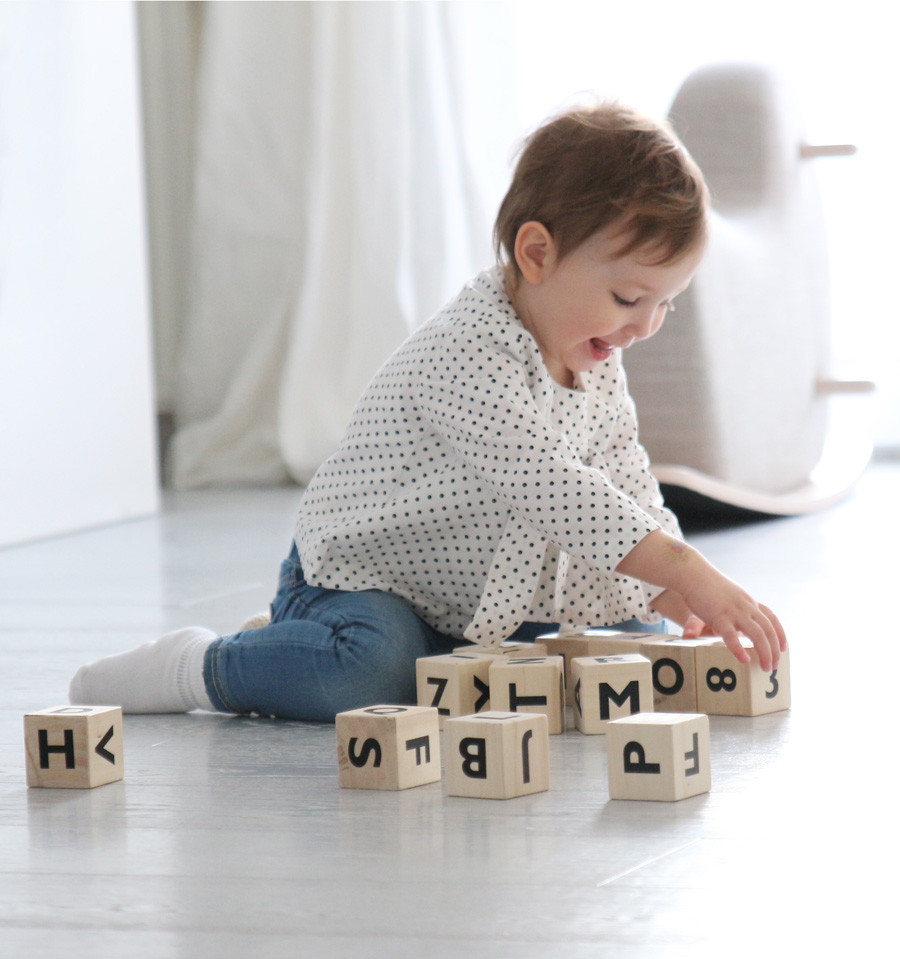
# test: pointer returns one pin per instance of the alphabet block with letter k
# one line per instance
(388, 747)
(74, 747)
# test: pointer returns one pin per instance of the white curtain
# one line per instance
(333, 210)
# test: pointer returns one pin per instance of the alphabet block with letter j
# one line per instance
(74, 747)
(388, 747)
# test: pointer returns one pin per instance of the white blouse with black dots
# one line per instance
(474, 486)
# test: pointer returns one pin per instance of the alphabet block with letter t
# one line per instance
(609, 687)
(497, 755)
(74, 747)
(660, 756)
(388, 747)
(533, 685)
(456, 684)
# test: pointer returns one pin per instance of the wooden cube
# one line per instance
(74, 747)
(609, 687)
(497, 755)
(673, 661)
(504, 649)
(571, 647)
(658, 756)
(456, 684)
(532, 685)
(388, 747)
(726, 687)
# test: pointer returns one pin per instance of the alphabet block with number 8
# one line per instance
(497, 755)
(388, 747)
(456, 684)
(74, 747)
(658, 756)
(726, 687)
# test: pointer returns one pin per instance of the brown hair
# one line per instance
(590, 168)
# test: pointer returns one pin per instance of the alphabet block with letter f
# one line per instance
(74, 747)
(388, 747)
(497, 755)
(660, 756)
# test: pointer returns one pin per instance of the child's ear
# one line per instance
(535, 251)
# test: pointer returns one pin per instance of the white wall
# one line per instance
(77, 417)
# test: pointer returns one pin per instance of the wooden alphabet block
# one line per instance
(388, 747)
(497, 755)
(726, 687)
(571, 647)
(504, 649)
(532, 685)
(673, 661)
(456, 684)
(74, 747)
(609, 687)
(659, 756)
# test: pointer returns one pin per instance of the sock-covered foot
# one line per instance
(165, 676)
(256, 621)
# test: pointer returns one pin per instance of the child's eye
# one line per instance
(622, 301)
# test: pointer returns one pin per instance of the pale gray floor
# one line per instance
(229, 837)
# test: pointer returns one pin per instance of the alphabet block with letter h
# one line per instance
(609, 687)
(497, 755)
(74, 747)
(455, 684)
(533, 685)
(660, 756)
(388, 747)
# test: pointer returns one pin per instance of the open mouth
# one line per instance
(601, 350)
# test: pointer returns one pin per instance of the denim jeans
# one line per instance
(329, 650)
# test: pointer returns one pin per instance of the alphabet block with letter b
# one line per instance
(532, 685)
(388, 747)
(456, 684)
(74, 747)
(726, 687)
(497, 755)
(609, 687)
(659, 756)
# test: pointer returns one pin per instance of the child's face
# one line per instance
(581, 308)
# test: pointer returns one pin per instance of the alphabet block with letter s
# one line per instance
(388, 747)
(659, 756)
(497, 755)
(74, 747)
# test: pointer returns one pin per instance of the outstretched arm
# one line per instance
(704, 600)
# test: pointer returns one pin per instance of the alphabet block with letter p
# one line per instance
(497, 755)
(532, 685)
(726, 687)
(388, 747)
(609, 687)
(456, 684)
(659, 756)
(74, 747)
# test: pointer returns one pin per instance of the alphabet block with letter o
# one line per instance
(388, 747)
(673, 662)
(497, 755)
(74, 747)
(532, 685)
(727, 687)
(609, 687)
(455, 684)
(659, 756)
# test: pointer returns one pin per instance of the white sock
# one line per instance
(165, 676)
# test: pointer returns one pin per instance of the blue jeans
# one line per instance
(327, 651)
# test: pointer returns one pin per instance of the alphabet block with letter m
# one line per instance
(609, 687)
(660, 756)
(388, 747)
(74, 747)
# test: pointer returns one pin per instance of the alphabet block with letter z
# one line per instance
(609, 687)
(74, 747)
(456, 684)
(497, 755)
(659, 756)
(388, 747)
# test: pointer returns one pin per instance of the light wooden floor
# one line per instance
(229, 837)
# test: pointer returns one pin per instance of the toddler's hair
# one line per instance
(592, 167)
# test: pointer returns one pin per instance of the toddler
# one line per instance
(490, 484)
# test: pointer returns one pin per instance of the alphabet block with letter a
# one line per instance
(660, 756)
(74, 747)
(497, 755)
(456, 684)
(726, 687)
(388, 747)
(533, 685)
(609, 687)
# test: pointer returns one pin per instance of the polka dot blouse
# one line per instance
(474, 486)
